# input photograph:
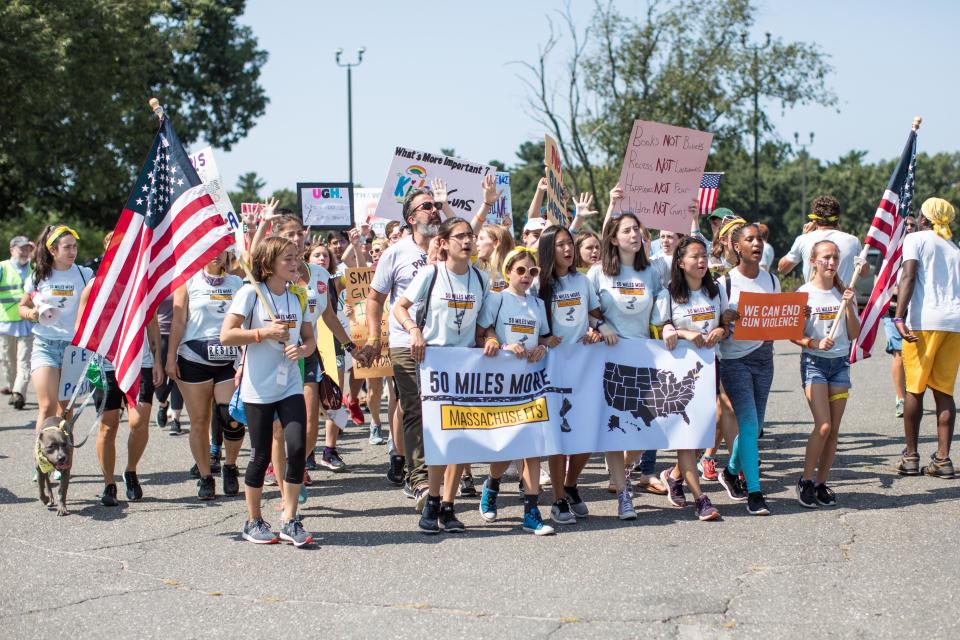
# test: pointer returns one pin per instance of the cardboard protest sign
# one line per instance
(326, 205)
(661, 174)
(357, 289)
(770, 316)
(503, 207)
(206, 166)
(412, 169)
(556, 196)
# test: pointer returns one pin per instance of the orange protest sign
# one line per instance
(770, 316)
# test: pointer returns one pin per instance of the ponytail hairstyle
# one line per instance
(43, 257)
(547, 259)
(837, 282)
(446, 230)
(504, 241)
(678, 287)
(610, 253)
(726, 234)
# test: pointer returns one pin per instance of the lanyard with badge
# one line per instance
(284, 370)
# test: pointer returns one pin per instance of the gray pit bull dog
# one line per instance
(54, 451)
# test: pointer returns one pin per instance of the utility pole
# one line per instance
(756, 49)
(803, 180)
(349, 66)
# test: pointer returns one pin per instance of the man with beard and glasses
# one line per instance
(396, 269)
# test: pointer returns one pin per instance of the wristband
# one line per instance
(898, 320)
(349, 347)
(489, 204)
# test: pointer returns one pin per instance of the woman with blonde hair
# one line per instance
(494, 242)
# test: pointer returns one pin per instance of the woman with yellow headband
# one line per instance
(928, 319)
(51, 298)
(825, 216)
(515, 321)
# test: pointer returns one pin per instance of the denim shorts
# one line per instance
(819, 370)
(47, 353)
(894, 341)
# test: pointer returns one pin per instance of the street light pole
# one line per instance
(756, 116)
(349, 66)
(803, 179)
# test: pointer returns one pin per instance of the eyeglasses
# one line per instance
(534, 271)
(428, 206)
(466, 235)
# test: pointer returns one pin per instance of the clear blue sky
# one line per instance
(437, 74)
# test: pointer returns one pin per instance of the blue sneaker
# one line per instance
(488, 502)
(533, 523)
(303, 494)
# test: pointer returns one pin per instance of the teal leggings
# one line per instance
(746, 381)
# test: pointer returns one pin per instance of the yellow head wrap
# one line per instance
(815, 216)
(57, 233)
(940, 213)
(513, 255)
(736, 222)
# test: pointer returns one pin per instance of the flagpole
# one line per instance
(156, 108)
(861, 259)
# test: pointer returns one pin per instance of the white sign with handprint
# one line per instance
(413, 169)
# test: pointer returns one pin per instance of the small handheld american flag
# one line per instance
(709, 188)
(168, 229)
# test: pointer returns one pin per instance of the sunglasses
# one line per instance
(466, 235)
(534, 271)
(428, 206)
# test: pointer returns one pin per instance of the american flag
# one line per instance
(886, 235)
(167, 231)
(709, 188)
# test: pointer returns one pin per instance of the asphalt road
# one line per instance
(881, 564)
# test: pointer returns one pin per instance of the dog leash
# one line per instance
(83, 405)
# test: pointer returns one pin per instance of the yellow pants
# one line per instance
(932, 361)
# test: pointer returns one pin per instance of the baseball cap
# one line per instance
(536, 224)
(721, 213)
(21, 241)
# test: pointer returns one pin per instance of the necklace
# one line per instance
(458, 312)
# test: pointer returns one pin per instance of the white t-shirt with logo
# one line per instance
(825, 307)
(398, 266)
(765, 282)
(517, 320)
(268, 375)
(935, 305)
(207, 307)
(848, 245)
(574, 297)
(61, 289)
(454, 309)
(699, 313)
(627, 299)
(318, 296)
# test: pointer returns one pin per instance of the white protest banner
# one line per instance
(206, 166)
(503, 207)
(326, 205)
(580, 398)
(661, 174)
(75, 361)
(412, 169)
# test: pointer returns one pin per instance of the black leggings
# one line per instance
(292, 413)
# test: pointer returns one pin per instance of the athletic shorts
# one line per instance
(311, 368)
(196, 373)
(116, 398)
(894, 341)
(834, 372)
(932, 361)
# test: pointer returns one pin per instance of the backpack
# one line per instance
(421, 318)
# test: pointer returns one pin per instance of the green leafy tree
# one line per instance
(248, 188)
(74, 81)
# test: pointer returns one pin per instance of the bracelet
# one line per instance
(489, 204)
(898, 320)
(256, 336)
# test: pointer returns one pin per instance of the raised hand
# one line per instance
(542, 186)
(439, 189)
(490, 193)
(584, 204)
(269, 209)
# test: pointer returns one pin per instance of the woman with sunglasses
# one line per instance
(691, 309)
(515, 321)
(627, 285)
(453, 307)
(51, 298)
(569, 301)
(746, 370)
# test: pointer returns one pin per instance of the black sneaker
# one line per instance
(448, 520)
(429, 520)
(733, 485)
(195, 471)
(806, 494)
(206, 488)
(825, 495)
(756, 505)
(162, 416)
(175, 429)
(230, 474)
(466, 487)
(18, 401)
(134, 491)
(312, 462)
(109, 496)
(395, 472)
(214, 463)
(409, 491)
